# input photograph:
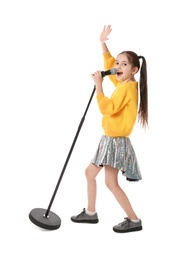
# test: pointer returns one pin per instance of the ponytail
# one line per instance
(143, 107)
(134, 59)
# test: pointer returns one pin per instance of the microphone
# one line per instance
(109, 72)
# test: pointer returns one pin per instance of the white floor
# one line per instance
(47, 55)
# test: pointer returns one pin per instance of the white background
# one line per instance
(48, 50)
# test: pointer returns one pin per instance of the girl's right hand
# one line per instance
(104, 35)
(98, 79)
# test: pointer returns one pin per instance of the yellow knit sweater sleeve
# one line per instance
(110, 106)
(109, 62)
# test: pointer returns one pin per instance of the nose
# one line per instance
(118, 66)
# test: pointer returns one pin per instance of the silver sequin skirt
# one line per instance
(118, 153)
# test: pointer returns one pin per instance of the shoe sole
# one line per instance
(127, 230)
(86, 221)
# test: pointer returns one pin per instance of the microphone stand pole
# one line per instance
(45, 218)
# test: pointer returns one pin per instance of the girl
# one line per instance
(115, 152)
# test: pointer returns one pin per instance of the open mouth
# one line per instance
(119, 73)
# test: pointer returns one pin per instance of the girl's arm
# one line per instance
(104, 38)
(97, 77)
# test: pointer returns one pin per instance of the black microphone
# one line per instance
(109, 72)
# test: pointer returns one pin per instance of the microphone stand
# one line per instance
(45, 218)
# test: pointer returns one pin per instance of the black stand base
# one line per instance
(45, 218)
(51, 222)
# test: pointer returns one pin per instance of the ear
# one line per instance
(134, 70)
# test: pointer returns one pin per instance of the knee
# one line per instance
(111, 185)
(108, 184)
(88, 173)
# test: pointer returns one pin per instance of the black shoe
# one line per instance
(128, 226)
(83, 217)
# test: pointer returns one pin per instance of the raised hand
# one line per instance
(104, 35)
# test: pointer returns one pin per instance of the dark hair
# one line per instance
(133, 58)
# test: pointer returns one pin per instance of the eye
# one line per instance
(116, 63)
(124, 64)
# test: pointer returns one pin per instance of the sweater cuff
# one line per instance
(100, 96)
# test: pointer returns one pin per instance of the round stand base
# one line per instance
(51, 222)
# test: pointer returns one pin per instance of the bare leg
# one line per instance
(111, 179)
(91, 173)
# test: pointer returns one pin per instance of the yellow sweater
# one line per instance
(120, 110)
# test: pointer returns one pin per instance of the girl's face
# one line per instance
(125, 71)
